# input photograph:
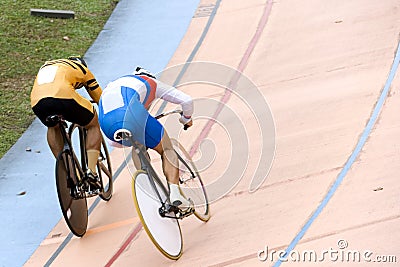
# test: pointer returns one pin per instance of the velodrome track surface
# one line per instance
(328, 72)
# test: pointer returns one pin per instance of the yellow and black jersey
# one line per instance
(60, 78)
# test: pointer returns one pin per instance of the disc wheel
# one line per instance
(165, 233)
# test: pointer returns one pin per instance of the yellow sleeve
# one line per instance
(92, 87)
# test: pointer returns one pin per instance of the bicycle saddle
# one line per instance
(122, 134)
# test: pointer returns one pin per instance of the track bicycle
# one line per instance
(151, 196)
(72, 184)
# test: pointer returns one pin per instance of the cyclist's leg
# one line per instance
(157, 138)
(169, 159)
(93, 142)
(46, 107)
(55, 140)
(171, 171)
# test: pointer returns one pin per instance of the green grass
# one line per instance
(27, 41)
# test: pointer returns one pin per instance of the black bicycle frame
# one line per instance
(82, 146)
(68, 147)
(148, 168)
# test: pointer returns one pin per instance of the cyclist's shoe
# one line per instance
(93, 180)
(181, 203)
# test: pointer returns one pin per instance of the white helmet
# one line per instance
(141, 71)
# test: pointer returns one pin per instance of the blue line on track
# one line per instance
(115, 176)
(194, 52)
(350, 161)
(59, 249)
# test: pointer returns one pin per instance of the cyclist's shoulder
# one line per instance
(71, 67)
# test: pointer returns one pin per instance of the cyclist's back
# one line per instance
(60, 78)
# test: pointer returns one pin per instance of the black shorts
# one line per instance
(68, 108)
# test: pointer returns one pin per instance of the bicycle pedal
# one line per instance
(173, 208)
(92, 193)
(181, 212)
(185, 213)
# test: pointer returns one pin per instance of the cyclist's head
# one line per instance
(78, 59)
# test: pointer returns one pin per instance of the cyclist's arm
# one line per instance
(173, 95)
(92, 87)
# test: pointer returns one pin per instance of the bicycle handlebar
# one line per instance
(159, 116)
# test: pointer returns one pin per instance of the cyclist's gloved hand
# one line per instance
(186, 121)
(141, 71)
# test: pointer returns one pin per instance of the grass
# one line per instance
(27, 41)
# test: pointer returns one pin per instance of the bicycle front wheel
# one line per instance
(191, 185)
(74, 210)
(165, 233)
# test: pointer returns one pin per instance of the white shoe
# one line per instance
(181, 202)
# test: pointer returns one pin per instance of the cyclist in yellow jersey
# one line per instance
(54, 93)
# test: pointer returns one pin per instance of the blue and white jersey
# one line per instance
(124, 104)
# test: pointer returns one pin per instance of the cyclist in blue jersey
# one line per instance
(124, 104)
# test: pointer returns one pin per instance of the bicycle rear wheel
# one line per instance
(105, 172)
(74, 210)
(191, 185)
(165, 233)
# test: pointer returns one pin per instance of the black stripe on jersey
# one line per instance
(91, 81)
(49, 63)
(78, 85)
(80, 66)
(64, 62)
(92, 88)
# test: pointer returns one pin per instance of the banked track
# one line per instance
(328, 72)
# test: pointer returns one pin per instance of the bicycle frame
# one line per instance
(68, 147)
(82, 144)
(77, 169)
(146, 166)
(166, 207)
